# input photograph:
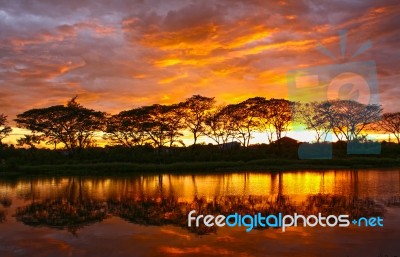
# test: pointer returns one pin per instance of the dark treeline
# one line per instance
(136, 134)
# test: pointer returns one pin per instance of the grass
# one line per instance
(263, 165)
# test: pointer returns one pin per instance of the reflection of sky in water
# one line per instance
(117, 237)
(375, 184)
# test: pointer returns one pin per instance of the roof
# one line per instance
(286, 140)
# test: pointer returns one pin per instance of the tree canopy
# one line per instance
(390, 123)
(71, 125)
(5, 130)
(195, 111)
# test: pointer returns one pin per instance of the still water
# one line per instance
(147, 215)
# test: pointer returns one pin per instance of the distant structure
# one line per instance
(229, 146)
(286, 141)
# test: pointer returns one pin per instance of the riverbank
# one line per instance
(262, 165)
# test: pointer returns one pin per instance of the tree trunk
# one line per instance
(194, 138)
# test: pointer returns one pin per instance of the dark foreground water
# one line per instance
(147, 215)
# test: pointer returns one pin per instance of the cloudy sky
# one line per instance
(121, 54)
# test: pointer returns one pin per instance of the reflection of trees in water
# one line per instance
(61, 213)
(169, 211)
(2, 216)
(72, 211)
(393, 201)
(159, 211)
(75, 207)
(151, 211)
(339, 204)
(6, 201)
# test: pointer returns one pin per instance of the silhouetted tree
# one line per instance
(163, 124)
(245, 117)
(4, 129)
(349, 118)
(278, 115)
(390, 123)
(175, 120)
(196, 109)
(72, 125)
(29, 140)
(311, 115)
(259, 115)
(219, 125)
(126, 128)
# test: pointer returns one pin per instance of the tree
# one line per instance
(196, 109)
(311, 115)
(260, 116)
(72, 125)
(163, 124)
(349, 118)
(390, 123)
(219, 126)
(4, 129)
(126, 128)
(29, 140)
(278, 115)
(175, 123)
(245, 117)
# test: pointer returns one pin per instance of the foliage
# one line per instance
(4, 129)
(126, 128)
(390, 123)
(196, 109)
(219, 125)
(311, 115)
(72, 125)
(348, 118)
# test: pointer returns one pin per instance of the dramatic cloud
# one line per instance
(121, 54)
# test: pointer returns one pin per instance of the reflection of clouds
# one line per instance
(46, 247)
(229, 239)
(202, 249)
(115, 237)
(171, 232)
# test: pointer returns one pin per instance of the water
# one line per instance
(147, 215)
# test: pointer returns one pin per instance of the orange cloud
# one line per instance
(173, 78)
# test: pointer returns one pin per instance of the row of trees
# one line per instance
(163, 125)
(74, 126)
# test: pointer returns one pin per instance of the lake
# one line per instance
(147, 215)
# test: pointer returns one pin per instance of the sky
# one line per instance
(117, 55)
